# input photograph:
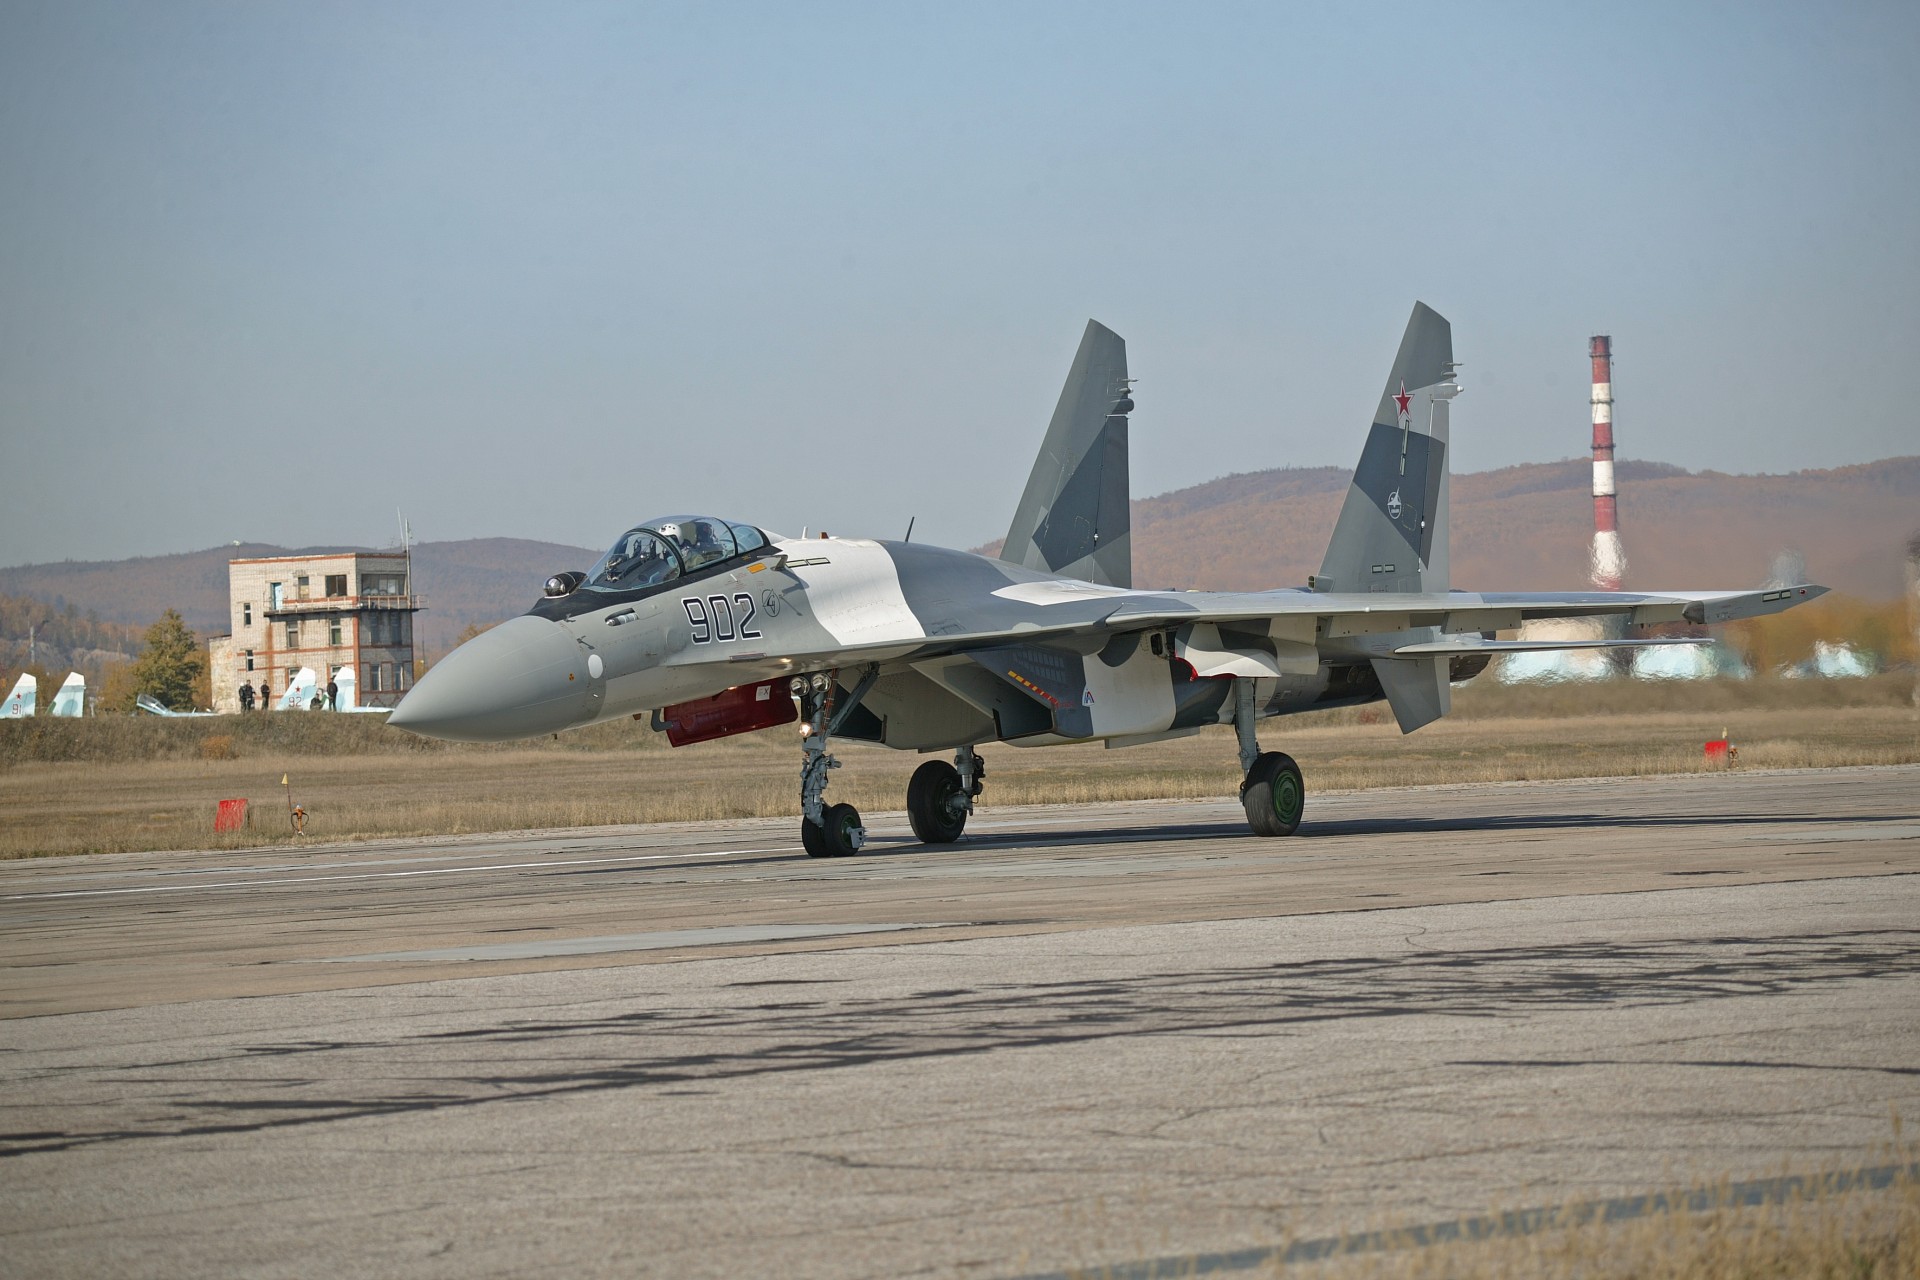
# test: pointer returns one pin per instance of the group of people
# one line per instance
(324, 699)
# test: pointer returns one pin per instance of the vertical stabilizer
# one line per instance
(1072, 519)
(19, 705)
(1392, 531)
(349, 689)
(71, 700)
(299, 694)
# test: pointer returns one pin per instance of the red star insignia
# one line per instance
(1403, 399)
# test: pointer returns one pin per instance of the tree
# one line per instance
(172, 664)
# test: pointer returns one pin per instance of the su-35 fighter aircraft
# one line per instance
(716, 628)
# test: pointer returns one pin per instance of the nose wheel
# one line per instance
(838, 834)
(826, 830)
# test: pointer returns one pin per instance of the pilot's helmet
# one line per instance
(674, 532)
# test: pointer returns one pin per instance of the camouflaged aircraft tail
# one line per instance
(1392, 532)
(1072, 519)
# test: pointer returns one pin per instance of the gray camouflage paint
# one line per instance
(967, 649)
(1072, 521)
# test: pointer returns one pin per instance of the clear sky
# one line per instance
(270, 271)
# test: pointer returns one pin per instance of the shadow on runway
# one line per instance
(704, 1046)
(1497, 823)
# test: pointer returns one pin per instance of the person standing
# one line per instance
(266, 695)
(246, 696)
(333, 694)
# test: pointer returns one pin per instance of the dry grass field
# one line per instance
(127, 783)
(1816, 1229)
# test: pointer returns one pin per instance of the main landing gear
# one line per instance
(941, 795)
(1273, 793)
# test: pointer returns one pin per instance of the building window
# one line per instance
(373, 677)
(336, 584)
(400, 680)
(383, 584)
(293, 633)
(301, 589)
(333, 632)
(249, 659)
(246, 615)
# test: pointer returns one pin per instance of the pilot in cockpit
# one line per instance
(640, 561)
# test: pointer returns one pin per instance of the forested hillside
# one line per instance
(1518, 528)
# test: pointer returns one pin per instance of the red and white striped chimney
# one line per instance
(1609, 558)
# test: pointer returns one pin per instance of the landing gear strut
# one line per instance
(1273, 793)
(826, 830)
(941, 795)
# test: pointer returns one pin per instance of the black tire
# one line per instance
(814, 838)
(930, 796)
(1275, 795)
(842, 820)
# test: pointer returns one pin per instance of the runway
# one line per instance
(1079, 1038)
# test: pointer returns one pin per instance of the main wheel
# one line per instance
(1274, 796)
(931, 803)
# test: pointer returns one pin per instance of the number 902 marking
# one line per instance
(714, 619)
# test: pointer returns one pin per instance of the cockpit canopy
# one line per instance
(656, 551)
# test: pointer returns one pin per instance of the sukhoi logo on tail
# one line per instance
(1393, 505)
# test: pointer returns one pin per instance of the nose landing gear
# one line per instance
(826, 831)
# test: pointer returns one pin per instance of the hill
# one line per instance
(1517, 528)
(1526, 528)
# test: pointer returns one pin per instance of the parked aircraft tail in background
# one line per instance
(299, 695)
(71, 701)
(19, 705)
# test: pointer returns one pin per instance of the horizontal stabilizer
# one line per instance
(1418, 689)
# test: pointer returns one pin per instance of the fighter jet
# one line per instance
(712, 627)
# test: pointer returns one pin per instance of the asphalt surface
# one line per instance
(1079, 1038)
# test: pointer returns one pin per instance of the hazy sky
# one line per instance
(269, 271)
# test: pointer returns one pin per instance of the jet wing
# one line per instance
(1299, 620)
(1300, 614)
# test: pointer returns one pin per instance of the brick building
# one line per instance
(354, 609)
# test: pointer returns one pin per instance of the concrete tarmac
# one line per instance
(1076, 1039)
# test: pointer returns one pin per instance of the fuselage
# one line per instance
(593, 655)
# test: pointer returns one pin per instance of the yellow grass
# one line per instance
(146, 784)
(1819, 1229)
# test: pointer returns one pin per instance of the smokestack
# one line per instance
(1913, 599)
(1609, 558)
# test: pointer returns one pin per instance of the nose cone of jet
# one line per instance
(525, 677)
